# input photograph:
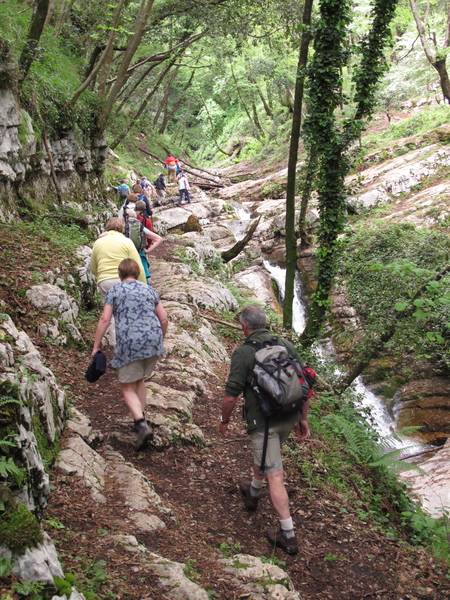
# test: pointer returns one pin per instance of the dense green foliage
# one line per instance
(385, 266)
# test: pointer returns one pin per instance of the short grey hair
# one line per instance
(254, 317)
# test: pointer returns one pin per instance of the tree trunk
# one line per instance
(433, 57)
(237, 248)
(129, 93)
(34, 35)
(308, 185)
(139, 28)
(168, 115)
(51, 9)
(213, 133)
(291, 240)
(247, 112)
(267, 108)
(143, 106)
(165, 99)
(109, 50)
(441, 68)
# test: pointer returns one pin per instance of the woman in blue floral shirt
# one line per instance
(141, 323)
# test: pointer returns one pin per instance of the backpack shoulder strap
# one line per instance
(254, 344)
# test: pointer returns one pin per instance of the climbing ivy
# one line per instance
(330, 138)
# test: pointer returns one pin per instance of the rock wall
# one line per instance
(25, 168)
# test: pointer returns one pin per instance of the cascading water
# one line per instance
(239, 227)
(381, 417)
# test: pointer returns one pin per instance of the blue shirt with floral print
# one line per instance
(138, 330)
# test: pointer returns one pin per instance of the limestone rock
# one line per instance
(80, 424)
(169, 399)
(136, 489)
(36, 564)
(147, 523)
(173, 579)
(78, 458)
(258, 280)
(52, 299)
(263, 580)
(87, 280)
(75, 595)
(174, 282)
(398, 175)
(433, 489)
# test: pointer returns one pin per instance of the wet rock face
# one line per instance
(425, 403)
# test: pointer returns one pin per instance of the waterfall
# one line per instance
(383, 422)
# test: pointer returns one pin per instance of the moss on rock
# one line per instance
(19, 528)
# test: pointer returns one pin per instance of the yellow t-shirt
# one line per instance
(109, 251)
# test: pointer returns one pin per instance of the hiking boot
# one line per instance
(144, 435)
(250, 501)
(277, 538)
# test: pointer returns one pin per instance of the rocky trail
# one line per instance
(168, 522)
(191, 537)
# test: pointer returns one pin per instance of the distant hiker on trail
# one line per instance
(141, 323)
(129, 203)
(171, 165)
(183, 186)
(122, 192)
(137, 189)
(147, 187)
(160, 185)
(107, 253)
(142, 236)
(253, 322)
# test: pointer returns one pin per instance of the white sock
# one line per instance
(288, 527)
(255, 487)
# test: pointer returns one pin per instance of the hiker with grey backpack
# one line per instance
(140, 231)
(277, 388)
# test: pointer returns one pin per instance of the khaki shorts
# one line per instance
(277, 436)
(136, 370)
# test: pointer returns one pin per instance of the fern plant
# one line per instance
(369, 449)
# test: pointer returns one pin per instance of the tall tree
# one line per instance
(437, 57)
(291, 240)
(328, 138)
(34, 35)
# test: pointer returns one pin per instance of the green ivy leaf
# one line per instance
(401, 306)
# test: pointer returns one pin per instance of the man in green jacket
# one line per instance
(253, 321)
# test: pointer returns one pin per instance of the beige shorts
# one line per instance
(277, 436)
(136, 370)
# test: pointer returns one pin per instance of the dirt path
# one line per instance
(340, 557)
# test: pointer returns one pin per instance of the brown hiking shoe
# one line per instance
(277, 538)
(250, 501)
(144, 435)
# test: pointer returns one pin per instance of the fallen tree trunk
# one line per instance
(239, 246)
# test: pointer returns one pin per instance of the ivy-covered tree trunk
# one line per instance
(328, 138)
(291, 240)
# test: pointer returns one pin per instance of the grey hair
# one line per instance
(254, 317)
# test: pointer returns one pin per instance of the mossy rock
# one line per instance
(379, 369)
(19, 528)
